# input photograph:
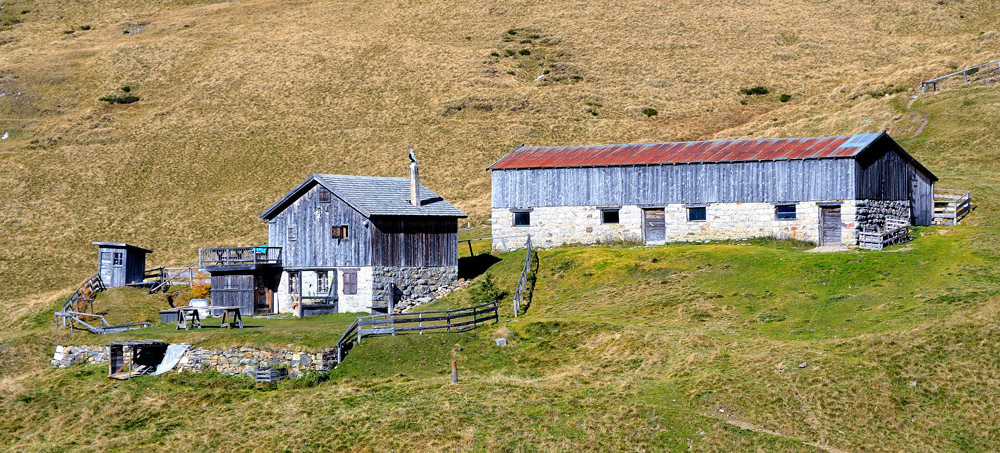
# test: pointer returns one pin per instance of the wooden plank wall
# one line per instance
(314, 245)
(884, 174)
(233, 290)
(135, 265)
(775, 181)
(415, 241)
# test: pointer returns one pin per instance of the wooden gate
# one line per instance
(654, 226)
(830, 225)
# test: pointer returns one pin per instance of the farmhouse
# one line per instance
(821, 190)
(340, 243)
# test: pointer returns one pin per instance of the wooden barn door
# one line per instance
(830, 225)
(654, 226)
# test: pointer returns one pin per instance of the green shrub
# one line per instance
(509, 52)
(579, 77)
(486, 290)
(785, 98)
(512, 32)
(495, 54)
(649, 112)
(128, 99)
(68, 32)
(754, 91)
(85, 27)
(126, 89)
(524, 52)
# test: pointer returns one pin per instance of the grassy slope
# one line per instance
(899, 345)
(241, 100)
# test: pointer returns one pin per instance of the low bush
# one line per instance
(649, 112)
(785, 98)
(524, 52)
(486, 290)
(755, 91)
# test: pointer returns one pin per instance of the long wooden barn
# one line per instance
(822, 190)
(339, 243)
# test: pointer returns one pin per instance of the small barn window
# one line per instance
(697, 214)
(324, 196)
(339, 232)
(784, 212)
(322, 282)
(350, 282)
(118, 261)
(522, 218)
(292, 232)
(610, 215)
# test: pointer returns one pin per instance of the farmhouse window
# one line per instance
(696, 214)
(322, 282)
(610, 215)
(324, 196)
(350, 282)
(292, 232)
(339, 232)
(784, 212)
(118, 261)
(522, 218)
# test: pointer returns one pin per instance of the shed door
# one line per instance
(105, 269)
(654, 226)
(830, 225)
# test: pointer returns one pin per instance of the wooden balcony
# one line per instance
(239, 258)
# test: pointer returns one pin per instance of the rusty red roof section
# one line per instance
(685, 152)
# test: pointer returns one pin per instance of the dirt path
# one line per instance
(757, 429)
(922, 125)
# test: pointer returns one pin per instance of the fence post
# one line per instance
(420, 317)
(454, 372)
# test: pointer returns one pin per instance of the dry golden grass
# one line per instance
(241, 100)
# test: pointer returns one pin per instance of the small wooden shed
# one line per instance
(120, 264)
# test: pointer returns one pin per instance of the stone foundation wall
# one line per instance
(872, 213)
(554, 226)
(235, 361)
(408, 286)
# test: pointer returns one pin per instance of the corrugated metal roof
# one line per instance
(686, 152)
(372, 195)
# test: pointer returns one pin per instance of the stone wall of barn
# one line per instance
(872, 213)
(408, 286)
(560, 225)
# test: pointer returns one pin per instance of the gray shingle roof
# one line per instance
(372, 196)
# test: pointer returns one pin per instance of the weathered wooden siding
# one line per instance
(415, 241)
(314, 245)
(884, 174)
(769, 181)
(234, 290)
(133, 266)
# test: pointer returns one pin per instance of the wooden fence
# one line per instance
(84, 295)
(896, 231)
(161, 278)
(522, 283)
(392, 324)
(932, 83)
(951, 206)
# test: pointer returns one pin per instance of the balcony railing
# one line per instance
(239, 256)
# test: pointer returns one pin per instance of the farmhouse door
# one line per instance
(653, 226)
(830, 225)
(261, 295)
